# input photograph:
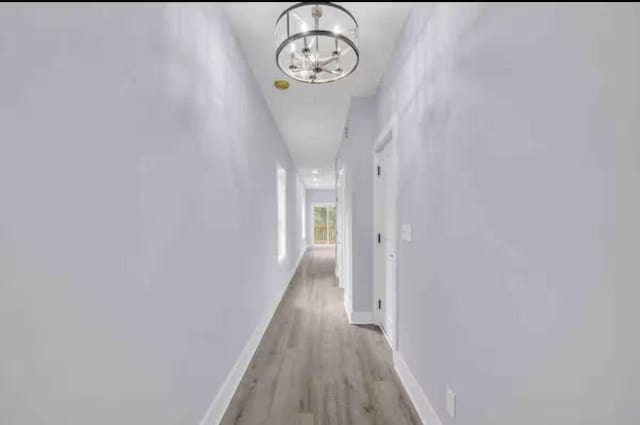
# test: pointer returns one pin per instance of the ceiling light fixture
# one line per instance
(317, 42)
(315, 171)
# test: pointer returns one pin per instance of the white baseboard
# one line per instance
(222, 400)
(388, 338)
(347, 309)
(294, 269)
(423, 406)
(359, 317)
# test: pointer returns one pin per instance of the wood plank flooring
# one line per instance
(313, 368)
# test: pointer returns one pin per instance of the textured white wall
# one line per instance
(137, 212)
(356, 156)
(520, 173)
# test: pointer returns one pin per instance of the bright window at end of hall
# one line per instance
(281, 175)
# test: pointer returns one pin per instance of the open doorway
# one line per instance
(385, 160)
(324, 224)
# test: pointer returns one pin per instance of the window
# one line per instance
(324, 224)
(281, 175)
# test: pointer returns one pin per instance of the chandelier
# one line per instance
(317, 42)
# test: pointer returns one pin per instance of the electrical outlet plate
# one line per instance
(451, 402)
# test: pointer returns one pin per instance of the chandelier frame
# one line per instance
(292, 38)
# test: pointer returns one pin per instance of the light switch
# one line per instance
(406, 232)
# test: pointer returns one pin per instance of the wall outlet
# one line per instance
(451, 402)
(406, 232)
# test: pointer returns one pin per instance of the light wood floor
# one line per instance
(313, 368)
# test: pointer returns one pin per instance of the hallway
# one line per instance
(313, 368)
(209, 212)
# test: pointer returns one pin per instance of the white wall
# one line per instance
(356, 156)
(520, 172)
(317, 196)
(137, 212)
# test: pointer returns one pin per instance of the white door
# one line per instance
(386, 193)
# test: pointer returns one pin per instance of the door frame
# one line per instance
(313, 236)
(343, 207)
(340, 225)
(388, 135)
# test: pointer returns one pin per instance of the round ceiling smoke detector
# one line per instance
(317, 42)
(281, 84)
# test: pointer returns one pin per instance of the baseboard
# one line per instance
(386, 336)
(347, 309)
(360, 317)
(425, 410)
(222, 400)
(295, 268)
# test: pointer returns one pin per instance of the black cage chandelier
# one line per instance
(317, 42)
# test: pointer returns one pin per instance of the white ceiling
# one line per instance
(312, 117)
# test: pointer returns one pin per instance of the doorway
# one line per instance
(385, 160)
(324, 224)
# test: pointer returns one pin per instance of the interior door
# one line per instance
(388, 186)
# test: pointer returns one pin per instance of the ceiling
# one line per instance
(311, 118)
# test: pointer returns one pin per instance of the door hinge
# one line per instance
(379, 238)
(378, 170)
(379, 304)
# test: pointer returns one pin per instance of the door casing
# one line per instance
(385, 267)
